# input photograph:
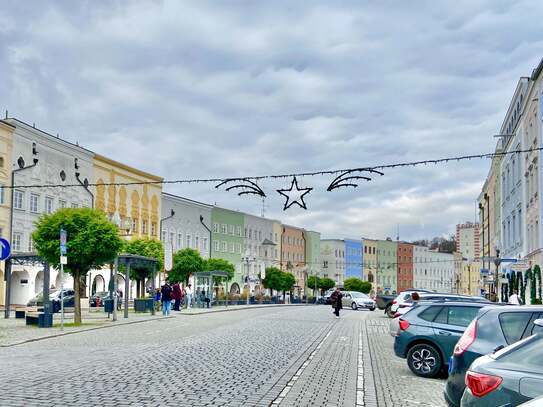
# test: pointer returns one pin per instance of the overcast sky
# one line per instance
(224, 89)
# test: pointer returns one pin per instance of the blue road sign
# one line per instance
(5, 249)
(63, 238)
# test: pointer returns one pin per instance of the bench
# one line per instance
(40, 319)
(20, 313)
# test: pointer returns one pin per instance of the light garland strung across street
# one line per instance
(348, 177)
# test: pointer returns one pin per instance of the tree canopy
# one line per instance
(185, 263)
(326, 283)
(220, 265)
(92, 241)
(356, 284)
(273, 279)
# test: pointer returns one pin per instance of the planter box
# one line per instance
(143, 304)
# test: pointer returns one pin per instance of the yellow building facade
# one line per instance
(469, 281)
(6, 149)
(137, 206)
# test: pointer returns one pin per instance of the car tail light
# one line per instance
(470, 334)
(404, 324)
(481, 384)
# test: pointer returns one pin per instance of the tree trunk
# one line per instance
(77, 300)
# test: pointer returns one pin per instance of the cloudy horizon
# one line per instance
(240, 89)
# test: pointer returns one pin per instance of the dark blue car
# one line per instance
(428, 333)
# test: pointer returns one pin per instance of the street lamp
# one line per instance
(171, 215)
(22, 166)
(247, 259)
(208, 229)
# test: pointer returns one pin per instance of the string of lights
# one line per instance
(379, 264)
(255, 178)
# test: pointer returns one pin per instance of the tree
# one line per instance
(287, 281)
(92, 242)
(148, 248)
(185, 263)
(356, 284)
(326, 283)
(273, 279)
(313, 283)
(220, 265)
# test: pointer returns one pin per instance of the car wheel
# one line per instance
(354, 306)
(424, 360)
(389, 312)
(372, 309)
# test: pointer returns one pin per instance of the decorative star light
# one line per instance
(298, 193)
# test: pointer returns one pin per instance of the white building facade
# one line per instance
(432, 270)
(260, 248)
(56, 166)
(333, 260)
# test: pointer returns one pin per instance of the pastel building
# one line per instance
(293, 255)
(433, 270)
(6, 148)
(370, 261)
(333, 260)
(353, 258)
(387, 270)
(259, 247)
(405, 266)
(313, 252)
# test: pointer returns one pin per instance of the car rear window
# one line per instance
(429, 313)
(528, 352)
(513, 325)
(459, 316)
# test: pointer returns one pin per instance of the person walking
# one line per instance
(157, 299)
(335, 299)
(514, 299)
(189, 292)
(166, 294)
(176, 295)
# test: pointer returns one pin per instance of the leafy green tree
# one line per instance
(92, 241)
(185, 263)
(287, 282)
(220, 265)
(273, 279)
(326, 283)
(313, 283)
(139, 272)
(356, 284)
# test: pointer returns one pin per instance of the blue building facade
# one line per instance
(354, 258)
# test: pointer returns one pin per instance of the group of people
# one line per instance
(178, 294)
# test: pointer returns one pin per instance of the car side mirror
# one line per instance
(539, 322)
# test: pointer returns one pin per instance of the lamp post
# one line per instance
(171, 215)
(22, 166)
(497, 263)
(208, 229)
(247, 259)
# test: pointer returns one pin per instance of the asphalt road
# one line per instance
(291, 356)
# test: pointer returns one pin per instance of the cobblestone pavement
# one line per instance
(295, 356)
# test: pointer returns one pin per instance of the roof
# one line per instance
(127, 167)
(185, 199)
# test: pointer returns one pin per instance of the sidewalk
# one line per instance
(15, 331)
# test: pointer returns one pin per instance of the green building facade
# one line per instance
(228, 242)
(387, 266)
(313, 252)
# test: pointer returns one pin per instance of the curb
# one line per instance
(248, 307)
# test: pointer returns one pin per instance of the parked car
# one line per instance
(495, 327)
(538, 402)
(98, 298)
(328, 293)
(54, 297)
(403, 297)
(428, 333)
(406, 305)
(509, 377)
(355, 300)
(384, 302)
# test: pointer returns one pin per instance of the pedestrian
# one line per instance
(166, 295)
(514, 299)
(189, 292)
(157, 299)
(176, 295)
(335, 299)
(119, 299)
(415, 297)
(204, 299)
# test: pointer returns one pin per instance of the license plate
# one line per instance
(451, 364)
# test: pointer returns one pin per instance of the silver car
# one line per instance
(356, 300)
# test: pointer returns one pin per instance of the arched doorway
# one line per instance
(20, 287)
(98, 284)
(38, 284)
(120, 283)
(234, 288)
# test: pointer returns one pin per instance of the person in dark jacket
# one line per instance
(176, 295)
(335, 299)
(166, 295)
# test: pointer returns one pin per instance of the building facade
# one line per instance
(353, 258)
(227, 243)
(387, 269)
(56, 164)
(293, 255)
(470, 279)
(434, 271)
(370, 262)
(333, 260)
(6, 148)
(468, 240)
(405, 266)
(313, 253)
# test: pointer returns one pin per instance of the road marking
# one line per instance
(360, 376)
(297, 375)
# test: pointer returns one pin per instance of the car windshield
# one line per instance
(358, 295)
(101, 293)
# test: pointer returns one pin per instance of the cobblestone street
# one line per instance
(292, 356)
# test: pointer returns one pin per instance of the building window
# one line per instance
(216, 245)
(75, 205)
(196, 242)
(179, 240)
(18, 199)
(224, 247)
(62, 203)
(34, 200)
(224, 229)
(17, 237)
(250, 233)
(259, 235)
(238, 230)
(232, 248)
(30, 244)
(2, 194)
(189, 241)
(231, 229)
(275, 236)
(239, 248)
(135, 226)
(48, 204)
(144, 227)
(164, 236)
(204, 244)
(153, 230)
(215, 228)
(172, 239)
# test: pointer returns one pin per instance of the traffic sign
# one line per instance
(63, 239)
(5, 249)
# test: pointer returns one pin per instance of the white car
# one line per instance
(356, 300)
(402, 298)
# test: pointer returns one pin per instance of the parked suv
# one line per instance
(428, 333)
(495, 327)
(509, 377)
(407, 304)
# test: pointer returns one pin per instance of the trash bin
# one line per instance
(143, 304)
(45, 320)
(108, 306)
